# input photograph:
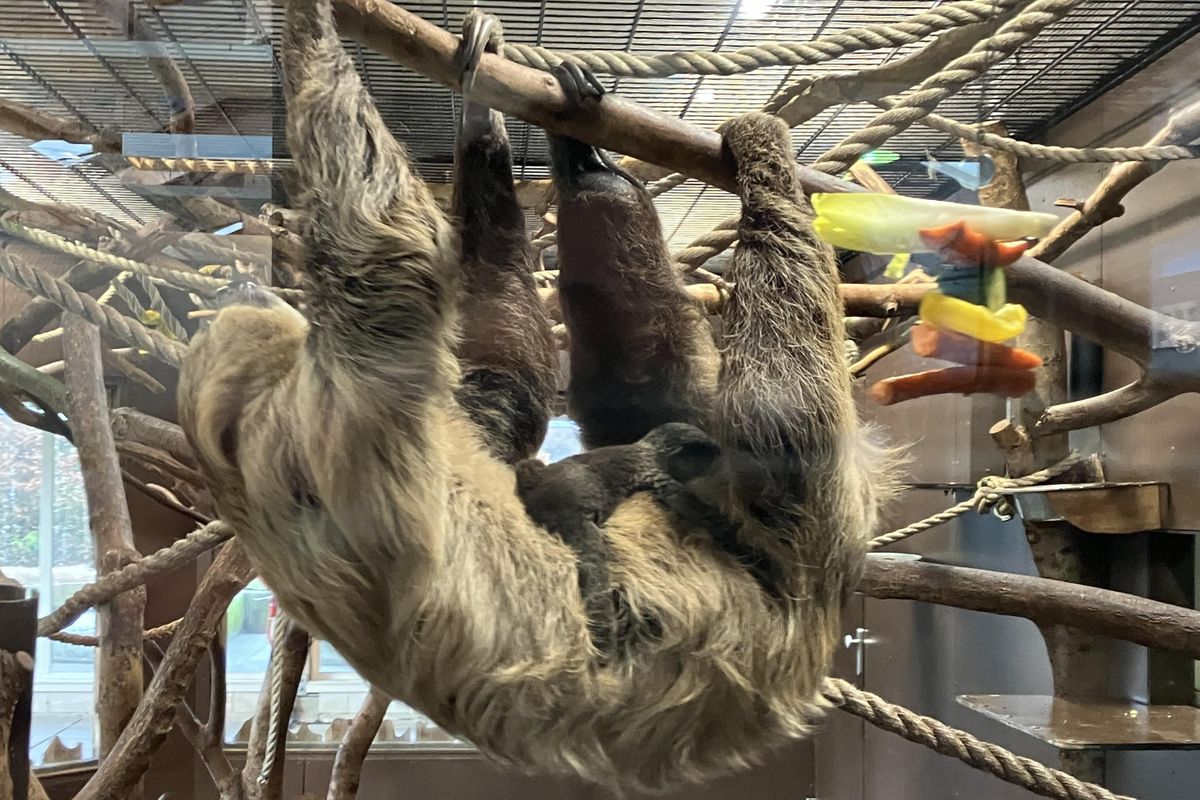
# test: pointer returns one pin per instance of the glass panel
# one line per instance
(45, 544)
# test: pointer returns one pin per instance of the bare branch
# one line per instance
(37, 125)
(1046, 602)
(1104, 203)
(347, 766)
(1109, 407)
(155, 717)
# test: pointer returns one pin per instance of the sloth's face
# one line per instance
(246, 293)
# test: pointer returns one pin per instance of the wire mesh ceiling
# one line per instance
(70, 58)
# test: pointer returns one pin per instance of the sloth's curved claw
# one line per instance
(579, 83)
(479, 36)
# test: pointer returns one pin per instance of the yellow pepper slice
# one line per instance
(871, 222)
(951, 314)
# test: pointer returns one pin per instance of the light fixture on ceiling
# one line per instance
(706, 95)
(754, 9)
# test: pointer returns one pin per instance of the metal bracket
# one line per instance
(1096, 507)
(859, 640)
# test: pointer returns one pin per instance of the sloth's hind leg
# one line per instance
(509, 363)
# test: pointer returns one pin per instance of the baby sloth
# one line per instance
(573, 497)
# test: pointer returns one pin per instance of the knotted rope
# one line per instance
(989, 496)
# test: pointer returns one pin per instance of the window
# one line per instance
(330, 689)
(46, 545)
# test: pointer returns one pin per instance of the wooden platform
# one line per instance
(1069, 725)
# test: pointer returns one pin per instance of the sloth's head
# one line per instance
(684, 451)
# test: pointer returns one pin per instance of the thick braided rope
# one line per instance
(275, 713)
(201, 284)
(933, 90)
(107, 318)
(770, 54)
(253, 166)
(988, 493)
(1046, 152)
(133, 575)
(150, 634)
(708, 245)
(941, 738)
(159, 306)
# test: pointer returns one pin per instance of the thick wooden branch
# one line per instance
(536, 97)
(1046, 602)
(16, 671)
(16, 374)
(290, 650)
(37, 125)
(119, 661)
(1104, 203)
(131, 425)
(128, 761)
(883, 299)
(1108, 407)
(1096, 314)
(352, 752)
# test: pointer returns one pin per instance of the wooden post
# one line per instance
(1079, 661)
(18, 636)
(290, 646)
(119, 657)
(347, 766)
(119, 677)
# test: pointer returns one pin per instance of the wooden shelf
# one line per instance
(1069, 725)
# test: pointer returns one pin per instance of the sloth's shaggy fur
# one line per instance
(386, 524)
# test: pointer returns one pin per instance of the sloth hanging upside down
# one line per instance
(363, 451)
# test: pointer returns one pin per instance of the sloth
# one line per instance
(573, 497)
(379, 509)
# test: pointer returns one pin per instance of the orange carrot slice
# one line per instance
(953, 380)
(950, 346)
(958, 244)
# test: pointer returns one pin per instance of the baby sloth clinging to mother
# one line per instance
(574, 497)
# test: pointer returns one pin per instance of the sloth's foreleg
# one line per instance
(509, 361)
(381, 274)
(784, 416)
(641, 352)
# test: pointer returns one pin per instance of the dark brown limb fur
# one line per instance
(509, 361)
(572, 498)
(641, 352)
